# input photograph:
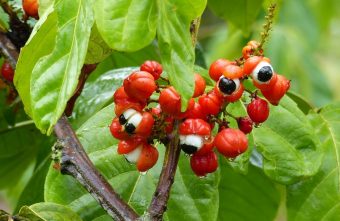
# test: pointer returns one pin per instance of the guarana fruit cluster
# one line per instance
(139, 124)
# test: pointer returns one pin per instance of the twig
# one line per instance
(85, 73)
(161, 195)
(75, 162)
(195, 24)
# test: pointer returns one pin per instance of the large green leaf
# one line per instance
(126, 25)
(18, 148)
(176, 46)
(55, 76)
(318, 198)
(191, 198)
(241, 13)
(41, 44)
(247, 197)
(48, 212)
(97, 50)
(4, 20)
(288, 143)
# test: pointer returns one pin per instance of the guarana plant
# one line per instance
(166, 138)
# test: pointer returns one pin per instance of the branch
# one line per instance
(161, 195)
(74, 160)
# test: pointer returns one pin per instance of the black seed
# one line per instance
(130, 128)
(226, 85)
(189, 149)
(122, 119)
(265, 74)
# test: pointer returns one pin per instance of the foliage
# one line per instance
(293, 159)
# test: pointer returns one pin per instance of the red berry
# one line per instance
(231, 142)
(31, 8)
(203, 164)
(148, 158)
(170, 101)
(268, 85)
(123, 102)
(195, 126)
(193, 133)
(234, 87)
(136, 123)
(258, 110)
(207, 147)
(7, 71)
(277, 91)
(245, 124)
(140, 85)
(232, 71)
(216, 68)
(152, 67)
(211, 103)
(117, 130)
(251, 64)
(126, 146)
(199, 85)
(195, 110)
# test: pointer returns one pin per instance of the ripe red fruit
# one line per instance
(126, 146)
(207, 147)
(232, 71)
(145, 126)
(245, 124)
(211, 103)
(140, 85)
(123, 102)
(31, 8)
(268, 85)
(195, 110)
(203, 164)
(277, 91)
(170, 101)
(152, 67)
(251, 64)
(117, 130)
(258, 110)
(193, 133)
(199, 85)
(7, 71)
(234, 96)
(216, 68)
(148, 158)
(231, 142)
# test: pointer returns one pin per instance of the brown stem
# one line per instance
(85, 73)
(161, 195)
(195, 24)
(75, 162)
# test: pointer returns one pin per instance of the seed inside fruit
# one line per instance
(226, 85)
(265, 74)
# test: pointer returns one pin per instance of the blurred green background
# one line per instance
(304, 44)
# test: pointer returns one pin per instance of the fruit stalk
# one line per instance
(161, 196)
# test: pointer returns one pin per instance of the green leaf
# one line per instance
(48, 212)
(247, 197)
(126, 25)
(40, 44)
(4, 20)
(200, 195)
(302, 103)
(34, 190)
(97, 50)
(19, 146)
(323, 190)
(241, 13)
(55, 76)
(45, 6)
(288, 143)
(175, 43)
